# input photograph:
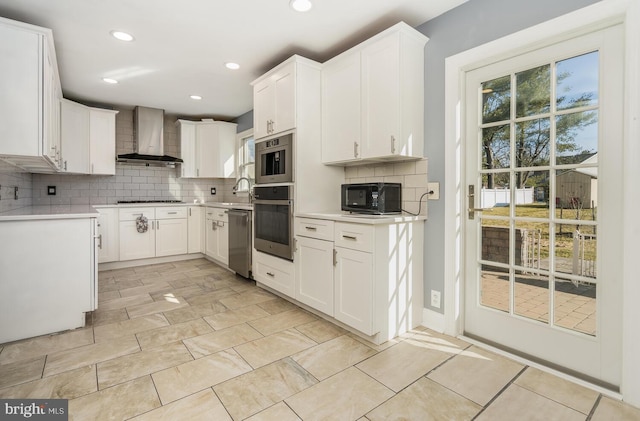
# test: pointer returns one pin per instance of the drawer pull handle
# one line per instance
(311, 228)
(349, 237)
(270, 274)
(172, 213)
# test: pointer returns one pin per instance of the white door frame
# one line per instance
(585, 20)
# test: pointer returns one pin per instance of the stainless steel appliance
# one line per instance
(273, 220)
(373, 198)
(148, 133)
(240, 241)
(273, 160)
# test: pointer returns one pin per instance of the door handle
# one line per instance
(393, 144)
(472, 199)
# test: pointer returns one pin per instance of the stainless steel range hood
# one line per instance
(148, 138)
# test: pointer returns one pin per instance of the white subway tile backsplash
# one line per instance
(412, 175)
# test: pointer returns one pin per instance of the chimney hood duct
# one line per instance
(148, 138)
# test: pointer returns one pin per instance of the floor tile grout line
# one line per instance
(512, 381)
(594, 407)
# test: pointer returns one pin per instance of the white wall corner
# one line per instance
(433, 320)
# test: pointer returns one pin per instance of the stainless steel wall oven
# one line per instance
(273, 220)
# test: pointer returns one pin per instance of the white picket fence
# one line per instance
(491, 197)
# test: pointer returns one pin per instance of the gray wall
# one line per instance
(244, 122)
(471, 24)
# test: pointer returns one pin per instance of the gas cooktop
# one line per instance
(149, 201)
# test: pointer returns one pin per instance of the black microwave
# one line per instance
(373, 198)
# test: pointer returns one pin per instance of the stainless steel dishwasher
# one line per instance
(240, 241)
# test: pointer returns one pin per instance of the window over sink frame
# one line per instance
(245, 159)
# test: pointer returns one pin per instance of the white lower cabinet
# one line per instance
(165, 234)
(135, 244)
(108, 233)
(171, 231)
(275, 273)
(217, 234)
(314, 269)
(195, 225)
(366, 276)
(314, 264)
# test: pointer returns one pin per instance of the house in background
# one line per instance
(578, 188)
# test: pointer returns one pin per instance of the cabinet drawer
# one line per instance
(354, 236)
(217, 214)
(173, 212)
(130, 214)
(314, 228)
(275, 273)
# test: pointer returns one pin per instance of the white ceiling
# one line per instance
(180, 47)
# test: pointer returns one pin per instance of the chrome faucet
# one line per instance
(235, 188)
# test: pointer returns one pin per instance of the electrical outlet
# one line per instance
(435, 299)
(213, 191)
(435, 188)
(51, 190)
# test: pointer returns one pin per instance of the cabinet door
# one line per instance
(207, 150)
(189, 168)
(51, 104)
(171, 237)
(263, 108)
(314, 272)
(136, 245)
(102, 135)
(353, 279)
(20, 101)
(381, 97)
(225, 167)
(108, 230)
(285, 100)
(195, 225)
(211, 238)
(223, 242)
(74, 134)
(341, 111)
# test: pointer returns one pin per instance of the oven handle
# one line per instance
(272, 202)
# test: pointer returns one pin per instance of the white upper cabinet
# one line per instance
(341, 111)
(207, 149)
(102, 141)
(88, 139)
(74, 134)
(373, 100)
(30, 100)
(274, 101)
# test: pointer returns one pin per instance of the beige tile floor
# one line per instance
(191, 341)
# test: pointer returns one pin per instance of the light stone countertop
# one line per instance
(364, 218)
(49, 212)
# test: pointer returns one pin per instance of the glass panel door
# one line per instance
(534, 230)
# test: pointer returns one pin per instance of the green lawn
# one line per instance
(564, 237)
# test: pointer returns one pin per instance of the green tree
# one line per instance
(532, 136)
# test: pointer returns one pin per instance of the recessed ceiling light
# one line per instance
(300, 5)
(232, 66)
(109, 80)
(196, 97)
(122, 36)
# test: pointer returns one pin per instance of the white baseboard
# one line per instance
(433, 320)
